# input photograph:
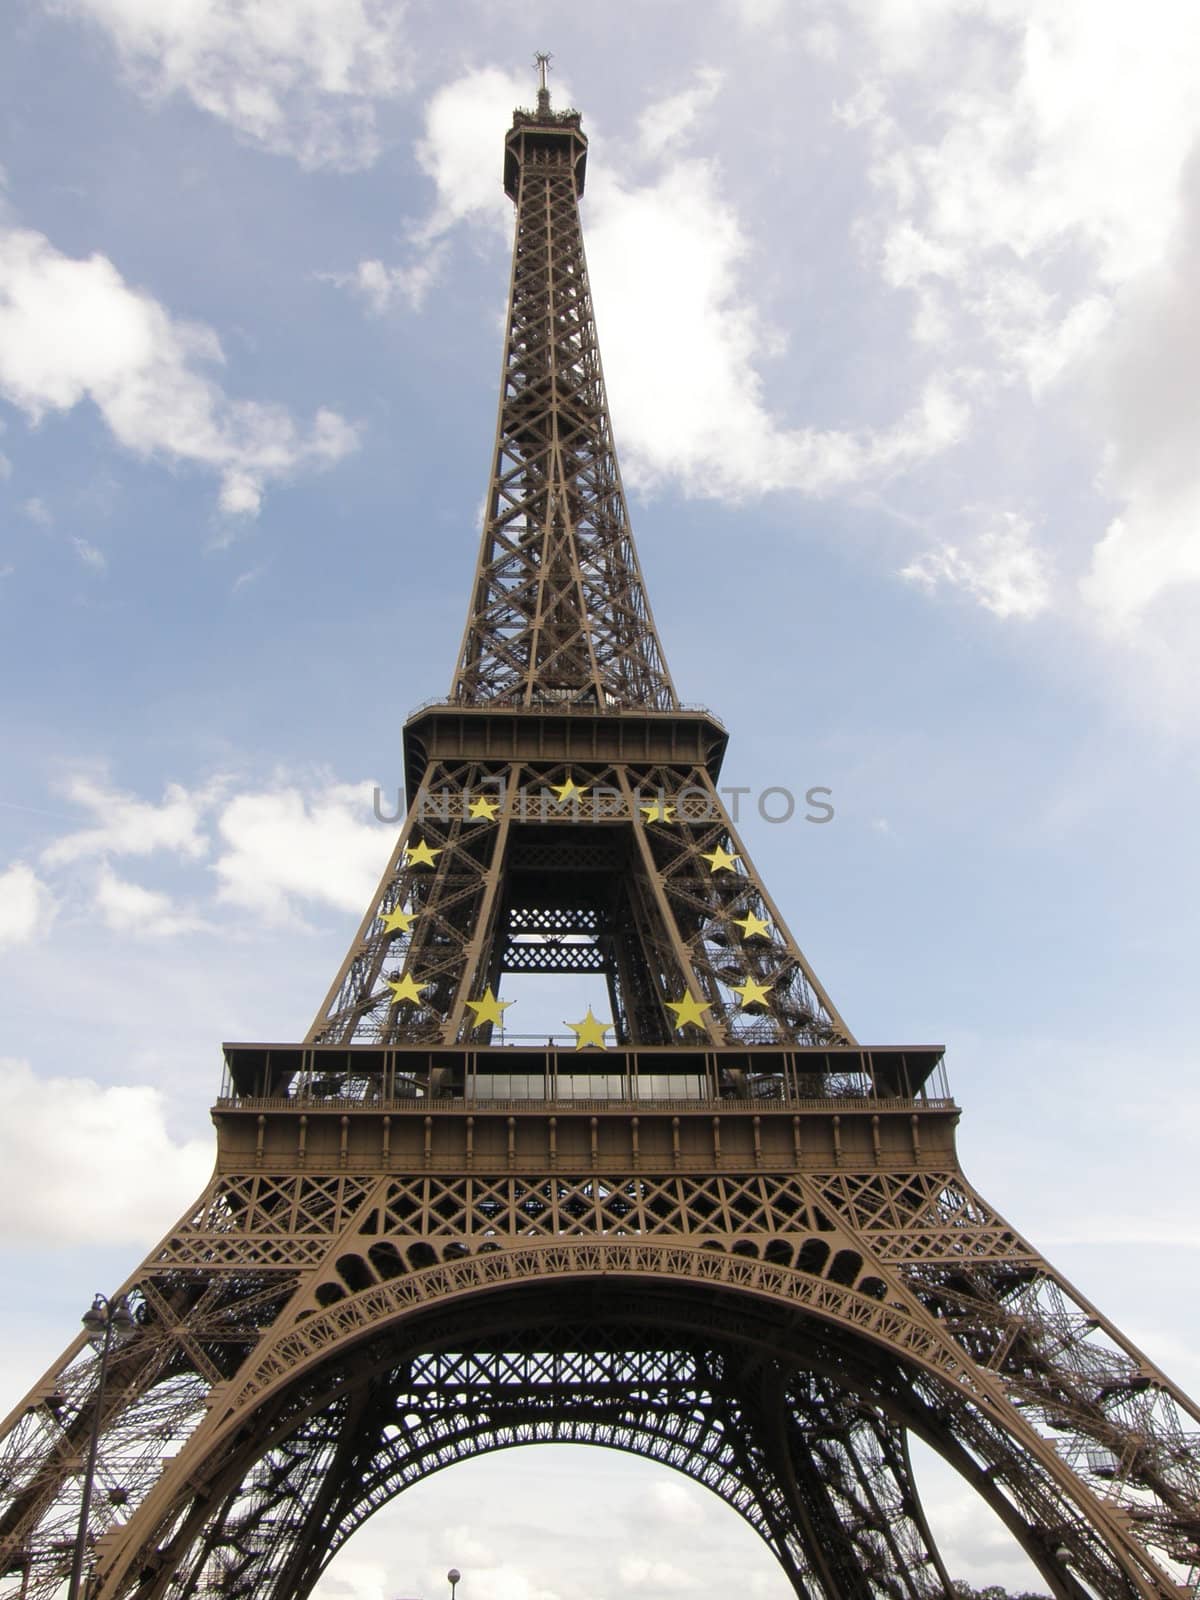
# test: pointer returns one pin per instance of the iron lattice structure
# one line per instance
(724, 1235)
(559, 612)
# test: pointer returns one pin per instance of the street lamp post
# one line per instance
(453, 1578)
(102, 1318)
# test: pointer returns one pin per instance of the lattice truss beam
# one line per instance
(559, 610)
(821, 1476)
(636, 873)
(1078, 1442)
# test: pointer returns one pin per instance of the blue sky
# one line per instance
(898, 323)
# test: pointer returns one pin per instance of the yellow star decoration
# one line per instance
(752, 925)
(688, 1010)
(405, 988)
(658, 812)
(397, 921)
(483, 809)
(753, 994)
(488, 1008)
(589, 1031)
(567, 791)
(420, 855)
(721, 860)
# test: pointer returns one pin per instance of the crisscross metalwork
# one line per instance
(559, 611)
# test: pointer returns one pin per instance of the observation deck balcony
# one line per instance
(531, 1072)
(530, 1109)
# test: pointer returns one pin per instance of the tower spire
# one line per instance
(542, 60)
(559, 613)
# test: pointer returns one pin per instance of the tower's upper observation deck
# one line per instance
(544, 138)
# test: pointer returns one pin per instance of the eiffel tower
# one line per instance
(714, 1229)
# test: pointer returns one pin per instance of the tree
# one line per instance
(993, 1591)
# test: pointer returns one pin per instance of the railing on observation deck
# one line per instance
(523, 1072)
(572, 708)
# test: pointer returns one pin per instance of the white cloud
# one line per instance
(37, 511)
(1147, 406)
(461, 147)
(1041, 201)
(667, 124)
(1000, 567)
(73, 330)
(1152, 547)
(523, 1541)
(291, 842)
(240, 494)
(127, 826)
(756, 13)
(382, 286)
(25, 904)
(280, 845)
(682, 338)
(658, 1576)
(61, 1142)
(245, 579)
(675, 1502)
(90, 555)
(127, 907)
(296, 76)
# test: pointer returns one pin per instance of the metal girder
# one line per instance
(717, 1413)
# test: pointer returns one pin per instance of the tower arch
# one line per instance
(788, 1394)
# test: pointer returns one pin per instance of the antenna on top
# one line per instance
(541, 61)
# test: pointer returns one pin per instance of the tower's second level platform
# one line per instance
(561, 731)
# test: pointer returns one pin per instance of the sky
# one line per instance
(897, 310)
